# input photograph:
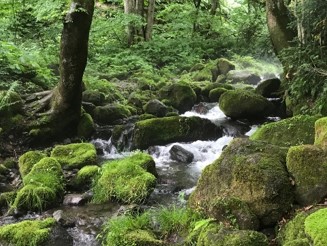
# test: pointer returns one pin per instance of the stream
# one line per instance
(175, 182)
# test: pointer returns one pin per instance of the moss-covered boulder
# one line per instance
(95, 97)
(236, 76)
(155, 107)
(308, 166)
(321, 132)
(161, 131)
(305, 229)
(26, 233)
(43, 186)
(85, 127)
(244, 104)
(28, 160)
(127, 180)
(181, 96)
(77, 155)
(141, 238)
(214, 234)
(297, 130)
(215, 94)
(268, 88)
(111, 113)
(85, 177)
(252, 172)
(224, 66)
(209, 87)
(10, 103)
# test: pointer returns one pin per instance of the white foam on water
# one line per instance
(213, 114)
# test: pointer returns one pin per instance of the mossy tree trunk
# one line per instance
(278, 20)
(150, 20)
(135, 7)
(67, 96)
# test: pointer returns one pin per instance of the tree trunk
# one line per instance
(133, 7)
(214, 7)
(278, 19)
(67, 96)
(150, 20)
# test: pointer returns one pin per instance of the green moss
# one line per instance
(146, 116)
(77, 155)
(28, 160)
(27, 233)
(181, 96)
(316, 226)
(216, 235)
(215, 94)
(141, 238)
(7, 199)
(86, 175)
(308, 166)
(210, 86)
(321, 132)
(43, 186)
(125, 180)
(288, 132)
(110, 113)
(85, 126)
(166, 130)
(10, 103)
(205, 73)
(244, 104)
(252, 172)
(293, 231)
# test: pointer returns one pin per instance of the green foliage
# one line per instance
(27, 233)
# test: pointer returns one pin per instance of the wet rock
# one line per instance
(236, 76)
(109, 114)
(181, 96)
(222, 68)
(76, 199)
(201, 108)
(251, 172)
(243, 104)
(59, 237)
(161, 131)
(307, 164)
(268, 88)
(293, 131)
(178, 153)
(63, 220)
(155, 107)
(95, 97)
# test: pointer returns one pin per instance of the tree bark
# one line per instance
(278, 20)
(67, 96)
(150, 20)
(134, 7)
(214, 7)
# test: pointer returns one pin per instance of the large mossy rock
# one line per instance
(85, 177)
(161, 131)
(181, 96)
(215, 94)
(307, 164)
(155, 107)
(244, 104)
(28, 232)
(95, 97)
(110, 114)
(237, 76)
(268, 88)
(127, 180)
(321, 132)
(305, 229)
(28, 160)
(252, 172)
(86, 126)
(213, 234)
(73, 156)
(288, 132)
(11, 103)
(43, 186)
(211, 86)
